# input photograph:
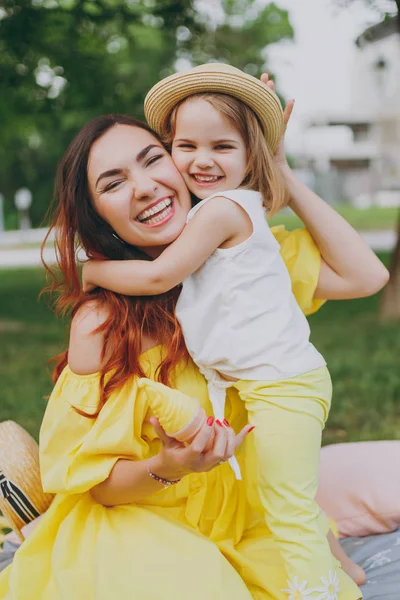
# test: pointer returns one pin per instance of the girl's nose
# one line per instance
(204, 161)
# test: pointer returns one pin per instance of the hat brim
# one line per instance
(22, 498)
(9, 515)
(166, 94)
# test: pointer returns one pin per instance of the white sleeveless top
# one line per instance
(238, 313)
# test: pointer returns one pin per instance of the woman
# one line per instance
(112, 530)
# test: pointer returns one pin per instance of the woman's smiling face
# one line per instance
(136, 188)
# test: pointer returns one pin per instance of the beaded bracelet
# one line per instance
(166, 482)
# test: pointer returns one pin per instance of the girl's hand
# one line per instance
(87, 285)
(280, 155)
(176, 460)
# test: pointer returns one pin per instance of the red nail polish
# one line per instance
(251, 428)
(210, 421)
(218, 422)
(226, 423)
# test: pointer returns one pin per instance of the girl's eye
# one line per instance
(154, 159)
(224, 147)
(185, 146)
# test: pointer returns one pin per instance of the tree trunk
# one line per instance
(390, 304)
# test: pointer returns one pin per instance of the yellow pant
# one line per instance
(289, 417)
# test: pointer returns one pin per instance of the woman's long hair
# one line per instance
(77, 225)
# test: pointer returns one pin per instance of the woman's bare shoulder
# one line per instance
(85, 344)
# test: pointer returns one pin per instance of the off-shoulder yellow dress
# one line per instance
(202, 539)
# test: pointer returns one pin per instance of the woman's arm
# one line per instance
(129, 480)
(349, 269)
(218, 221)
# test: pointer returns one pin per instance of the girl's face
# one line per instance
(136, 188)
(208, 151)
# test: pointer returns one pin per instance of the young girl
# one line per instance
(239, 317)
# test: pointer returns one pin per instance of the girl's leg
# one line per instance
(356, 572)
(289, 417)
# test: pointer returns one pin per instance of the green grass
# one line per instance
(369, 219)
(361, 351)
(29, 337)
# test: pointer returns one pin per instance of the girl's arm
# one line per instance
(218, 221)
(349, 269)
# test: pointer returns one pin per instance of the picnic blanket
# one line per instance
(379, 555)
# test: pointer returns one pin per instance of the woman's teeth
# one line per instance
(156, 213)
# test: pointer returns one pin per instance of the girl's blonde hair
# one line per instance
(262, 173)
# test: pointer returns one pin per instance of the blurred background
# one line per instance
(66, 61)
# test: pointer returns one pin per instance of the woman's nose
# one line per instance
(144, 187)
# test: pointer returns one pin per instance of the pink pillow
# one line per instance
(359, 487)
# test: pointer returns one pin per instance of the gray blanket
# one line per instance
(379, 555)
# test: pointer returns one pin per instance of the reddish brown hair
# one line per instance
(77, 225)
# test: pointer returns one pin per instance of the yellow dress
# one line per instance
(202, 539)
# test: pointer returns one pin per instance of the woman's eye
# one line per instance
(154, 159)
(112, 185)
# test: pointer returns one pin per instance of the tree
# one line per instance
(390, 304)
(66, 61)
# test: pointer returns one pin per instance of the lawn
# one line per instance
(369, 219)
(361, 351)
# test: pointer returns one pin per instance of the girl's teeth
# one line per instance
(206, 179)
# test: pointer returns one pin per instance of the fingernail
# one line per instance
(210, 421)
(226, 423)
(251, 428)
(218, 422)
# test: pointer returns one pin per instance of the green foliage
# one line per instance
(66, 61)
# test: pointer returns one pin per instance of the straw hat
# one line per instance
(223, 79)
(21, 494)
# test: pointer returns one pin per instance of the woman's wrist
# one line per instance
(295, 189)
(286, 169)
(288, 176)
(158, 466)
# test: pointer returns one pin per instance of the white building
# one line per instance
(361, 148)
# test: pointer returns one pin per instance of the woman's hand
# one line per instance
(175, 460)
(280, 155)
